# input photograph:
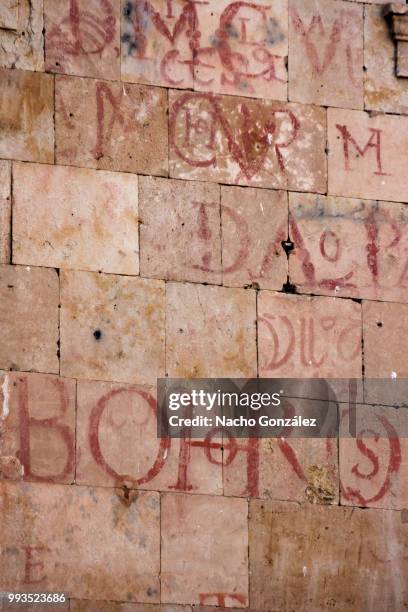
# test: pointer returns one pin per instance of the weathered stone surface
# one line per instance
(75, 218)
(237, 140)
(210, 332)
(5, 211)
(180, 230)
(29, 315)
(308, 337)
(21, 34)
(110, 545)
(383, 90)
(26, 116)
(254, 223)
(306, 557)
(110, 418)
(385, 325)
(219, 46)
(111, 126)
(83, 605)
(348, 247)
(374, 465)
(112, 327)
(326, 53)
(367, 155)
(202, 536)
(243, 48)
(37, 427)
(304, 470)
(82, 37)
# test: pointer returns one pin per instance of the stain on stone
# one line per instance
(321, 488)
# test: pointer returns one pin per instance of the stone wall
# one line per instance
(199, 189)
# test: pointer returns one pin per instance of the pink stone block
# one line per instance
(249, 142)
(326, 53)
(367, 155)
(29, 314)
(77, 605)
(111, 126)
(112, 327)
(37, 427)
(94, 543)
(75, 218)
(26, 116)
(383, 90)
(348, 247)
(157, 42)
(254, 223)
(210, 331)
(243, 48)
(292, 469)
(317, 558)
(21, 34)
(308, 337)
(111, 417)
(5, 211)
(180, 230)
(83, 37)
(374, 465)
(204, 551)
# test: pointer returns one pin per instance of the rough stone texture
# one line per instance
(29, 316)
(243, 48)
(121, 565)
(83, 37)
(348, 247)
(180, 230)
(308, 337)
(304, 470)
(210, 332)
(75, 218)
(383, 90)
(112, 327)
(5, 211)
(201, 536)
(326, 53)
(26, 116)
(111, 417)
(374, 466)
(254, 223)
(315, 557)
(367, 155)
(37, 427)
(21, 34)
(77, 605)
(111, 126)
(247, 142)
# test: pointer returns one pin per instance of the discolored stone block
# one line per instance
(26, 116)
(111, 126)
(298, 559)
(29, 315)
(37, 427)
(21, 34)
(111, 544)
(5, 211)
(201, 535)
(210, 331)
(112, 327)
(180, 230)
(248, 142)
(308, 337)
(83, 37)
(326, 53)
(254, 224)
(75, 218)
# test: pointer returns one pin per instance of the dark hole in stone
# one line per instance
(97, 334)
(379, 324)
(288, 246)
